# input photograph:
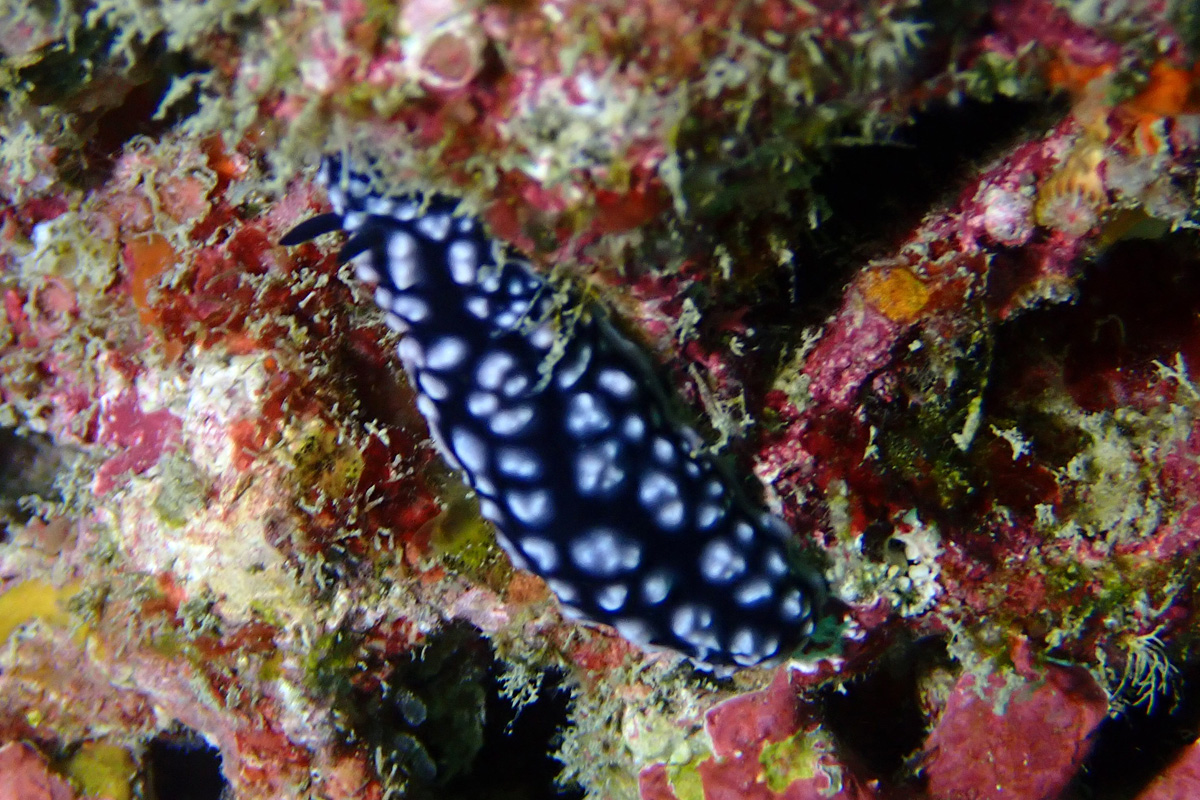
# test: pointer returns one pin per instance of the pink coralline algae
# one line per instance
(24, 776)
(978, 751)
(926, 273)
(140, 437)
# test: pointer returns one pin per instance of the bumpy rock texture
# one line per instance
(927, 270)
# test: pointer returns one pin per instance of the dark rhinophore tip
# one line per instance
(359, 243)
(312, 228)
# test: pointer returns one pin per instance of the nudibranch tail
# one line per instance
(565, 437)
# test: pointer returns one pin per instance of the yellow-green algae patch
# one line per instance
(102, 770)
(793, 759)
(34, 599)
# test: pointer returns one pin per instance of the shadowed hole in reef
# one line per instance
(29, 465)
(183, 766)
(516, 761)
(1135, 305)
(876, 720)
(112, 89)
(876, 194)
(1133, 309)
(1131, 748)
(869, 198)
(432, 718)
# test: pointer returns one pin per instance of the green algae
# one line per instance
(685, 779)
(792, 759)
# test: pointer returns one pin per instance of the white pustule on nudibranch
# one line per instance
(571, 450)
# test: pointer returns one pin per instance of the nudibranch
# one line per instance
(564, 433)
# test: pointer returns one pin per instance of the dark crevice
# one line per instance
(439, 724)
(516, 761)
(1131, 748)
(873, 197)
(877, 194)
(182, 766)
(877, 720)
(29, 465)
(107, 99)
(434, 720)
(1134, 306)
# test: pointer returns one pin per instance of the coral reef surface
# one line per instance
(925, 275)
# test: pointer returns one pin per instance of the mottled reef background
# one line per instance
(930, 270)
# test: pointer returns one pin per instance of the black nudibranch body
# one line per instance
(564, 434)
